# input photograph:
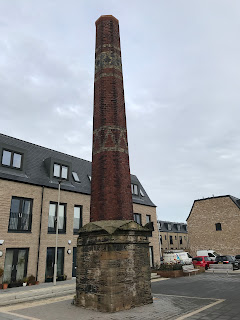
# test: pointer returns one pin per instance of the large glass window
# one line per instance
(77, 220)
(20, 215)
(52, 218)
(137, 218)
(11, 159)
(60, 171)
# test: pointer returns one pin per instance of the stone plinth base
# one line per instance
(113, 266)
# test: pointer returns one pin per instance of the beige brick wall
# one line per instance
(176, 241)
(202, 230)
(154, 240)
(30, 240)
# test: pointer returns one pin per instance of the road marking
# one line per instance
(20, 316)
(159, 279)
(200, 310)
(173, 295)
(31, 304)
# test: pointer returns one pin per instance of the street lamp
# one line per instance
(56, 247)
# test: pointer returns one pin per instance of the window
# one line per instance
(180, 239)
(165, 237)
(175, 237)
(52, 218)
(75, 176)
(134, 189)
(137, 218)
(218, 227)
(151, 256)
(60, 171)
(148, 218)
(161, 239)
(11, 159)
(178, 227)
(90, 178)
(77, 220)
(171, 239)
(169, 226)
(141, 193)
(20, 215)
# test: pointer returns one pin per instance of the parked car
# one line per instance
(202, 261)
(237, 257)
(208, 253)
(227, 259)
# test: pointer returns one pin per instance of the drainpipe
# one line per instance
(40, 229)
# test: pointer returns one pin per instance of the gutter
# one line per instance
(39, 237)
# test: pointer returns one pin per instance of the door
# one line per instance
(74, 265)
(15, 267)
(50, 264)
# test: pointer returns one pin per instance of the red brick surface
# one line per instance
(111, 197)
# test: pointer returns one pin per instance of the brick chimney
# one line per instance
(111, 197)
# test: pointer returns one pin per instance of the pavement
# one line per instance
(204, 296)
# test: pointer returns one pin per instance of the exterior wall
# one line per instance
(30, 240)
(176, 242)
(19, 239)
(154, 240)
(202, 230)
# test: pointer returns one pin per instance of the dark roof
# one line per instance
(163, 226)
(234, 199)
(35, 169)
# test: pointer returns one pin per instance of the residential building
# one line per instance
(172, 235)
(214, 224)
(29, 181)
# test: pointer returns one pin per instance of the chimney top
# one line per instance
(106, 17)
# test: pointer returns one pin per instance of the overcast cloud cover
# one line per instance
(182, 88)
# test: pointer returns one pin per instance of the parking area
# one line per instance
(204, 296)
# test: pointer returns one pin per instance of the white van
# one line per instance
(184, 257)
(208, 253)
(177, 257)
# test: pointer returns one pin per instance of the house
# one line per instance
(214, 224)
(29, 182)
(173, 235)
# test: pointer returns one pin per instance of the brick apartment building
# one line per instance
(173, 235)
(214, 224)
(29, 180)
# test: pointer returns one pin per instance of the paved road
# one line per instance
(204, 296)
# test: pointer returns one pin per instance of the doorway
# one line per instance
(50, 264)
(15, 267)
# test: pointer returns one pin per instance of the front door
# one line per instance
(50, 264)
(15, 267)
(74, 265)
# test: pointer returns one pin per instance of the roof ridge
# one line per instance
(37, 145)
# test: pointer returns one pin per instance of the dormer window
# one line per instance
(141, 193)
(60, 171)
(178, 227)
(11, 159)
(169, 226)
(134, 189)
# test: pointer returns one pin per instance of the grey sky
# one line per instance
(182, 88)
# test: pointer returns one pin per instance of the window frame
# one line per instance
(11, 159)
(20, 218)
(218, 226)
(61, 165)
(133, 186)
(60, 231)
(137, 215)
(148, 216)
(75, 231)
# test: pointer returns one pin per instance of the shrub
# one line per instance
(170, 267)
(31, 279)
